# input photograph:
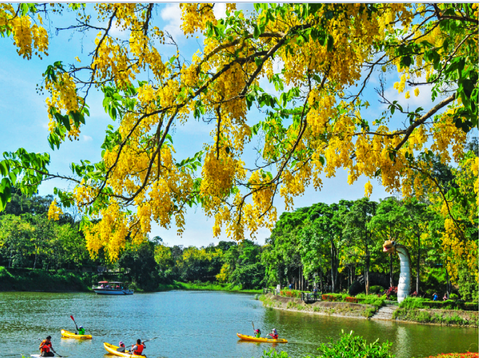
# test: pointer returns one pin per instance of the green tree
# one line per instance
(359, 231)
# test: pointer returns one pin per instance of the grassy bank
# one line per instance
(207, 286)
(40, 280)
(438, 316)
(343, 309)
(445, 313)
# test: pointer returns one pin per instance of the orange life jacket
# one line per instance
(139, 350)
(45, 346)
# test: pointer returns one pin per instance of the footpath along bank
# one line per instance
(373, 307)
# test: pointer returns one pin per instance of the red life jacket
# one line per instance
(274, 336)
(45, 346)
(139, 350)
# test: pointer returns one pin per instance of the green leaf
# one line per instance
(329, 42)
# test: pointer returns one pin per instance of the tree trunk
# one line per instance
(448, 283)
(35, 261)
(299, 277)
(321, 278)
(367, 269)
(391, 270)
(417, 288)
(332, 254)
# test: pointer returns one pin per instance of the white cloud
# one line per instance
(87, 138)
(219, 10)
(172, 14)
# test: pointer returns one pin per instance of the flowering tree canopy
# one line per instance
(319, 58)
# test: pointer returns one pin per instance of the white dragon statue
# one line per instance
(404, 281)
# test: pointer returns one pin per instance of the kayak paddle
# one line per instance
(73, 319)
(56, 353)
(148, 340)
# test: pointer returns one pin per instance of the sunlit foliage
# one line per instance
(318, 57)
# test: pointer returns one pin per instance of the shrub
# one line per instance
(392, 291)
(291, 304)
(291, 293)
(350, 346)
(413, 302)
(336, 297)
(369, 312)
(371, 299)
(272, 353)
(470, 306)
(376, 289)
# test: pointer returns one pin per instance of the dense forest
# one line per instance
(332, 246)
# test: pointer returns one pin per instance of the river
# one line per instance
(197, 324)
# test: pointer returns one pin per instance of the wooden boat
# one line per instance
(110, 348)
(245, 337)
(67, 334)
(111, 288)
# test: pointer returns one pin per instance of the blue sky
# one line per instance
(24, 121)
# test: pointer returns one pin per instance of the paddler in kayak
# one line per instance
(274, 334)
(46, 347)
(121, 347)
(81, 331)
(257, 332)
(138, 348)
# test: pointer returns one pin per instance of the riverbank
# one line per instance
(338, 309)
(207, 286)
(366, 311)
(61, 281)
(40, 280)
(437, 316)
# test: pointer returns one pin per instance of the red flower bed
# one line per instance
(288, 294)
(456, 355)
(351, 299)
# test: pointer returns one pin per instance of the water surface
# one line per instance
(197, 324)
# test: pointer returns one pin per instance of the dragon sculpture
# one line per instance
(404, 281)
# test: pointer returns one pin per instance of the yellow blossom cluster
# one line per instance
(54, 211)
(29, 39)
(63, 97)
(195, 16)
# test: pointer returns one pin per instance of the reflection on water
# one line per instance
(197, 324)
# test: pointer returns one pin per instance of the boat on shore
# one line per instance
(110, 348)
(245, 337)
(67, 334)
(111, 288)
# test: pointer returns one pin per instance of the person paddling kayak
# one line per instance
(121, 347)
(257, 332)
(46, 347)
(138, 348)
(81, 331)
(274, 334)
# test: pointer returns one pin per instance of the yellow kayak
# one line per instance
(67, 334)
(113, 350)
(260, 340)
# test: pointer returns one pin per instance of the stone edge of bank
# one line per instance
(455, 318)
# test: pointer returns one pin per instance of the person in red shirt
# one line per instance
(46, 347)
(274, 334)
(138, 348)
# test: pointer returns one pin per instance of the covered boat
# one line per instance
(110, 348)
(111, 288)
(245, 337)
(67, 334)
